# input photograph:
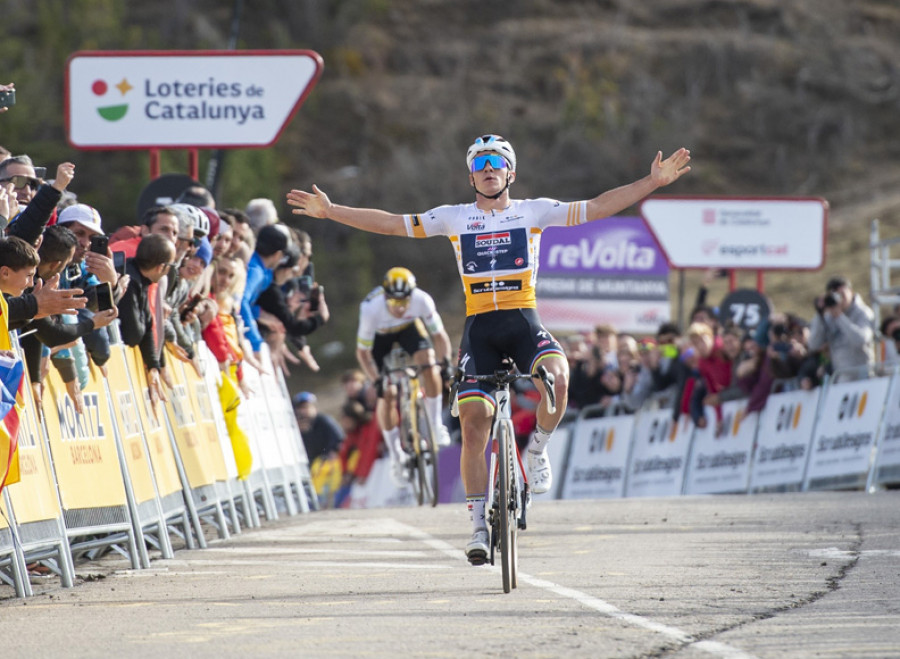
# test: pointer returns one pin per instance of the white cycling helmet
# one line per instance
(197, 217)
(495, 144)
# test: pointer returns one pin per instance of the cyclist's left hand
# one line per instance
(448, 371)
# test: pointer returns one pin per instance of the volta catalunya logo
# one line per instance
(115, 111)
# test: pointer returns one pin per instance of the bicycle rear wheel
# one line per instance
(409, 441)
(507, 519)
(426, 456)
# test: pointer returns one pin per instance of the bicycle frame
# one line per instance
(507, 488)
(417, 432)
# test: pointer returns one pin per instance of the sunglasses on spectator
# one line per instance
(19, 181)
(492, 159)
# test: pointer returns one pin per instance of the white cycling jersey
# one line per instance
(374, 317)
(497, 251)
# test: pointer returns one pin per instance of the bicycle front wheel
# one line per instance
(426, 456)
(507, 494)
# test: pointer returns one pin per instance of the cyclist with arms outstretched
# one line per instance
(496, 241)
(400, 312)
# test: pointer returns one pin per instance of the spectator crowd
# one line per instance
(188, 272)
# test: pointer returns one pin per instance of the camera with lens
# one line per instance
(831, 299)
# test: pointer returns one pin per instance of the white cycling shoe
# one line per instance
(477, 549)
(399, 474)
(540, 475)
(443, 436)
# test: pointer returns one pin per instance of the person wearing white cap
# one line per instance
(88, 269)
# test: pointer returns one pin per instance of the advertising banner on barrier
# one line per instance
(598, 458)
(783, 441)
(83, 446)
(192, 444)
(198, 398)
(845, 434)
(211, 375)
(162, 457)
(280, 415)
(659, 455)
(128, 421)
(253, 417)
(720, 463)
(603, 272)
(887, 458)
(34, 496)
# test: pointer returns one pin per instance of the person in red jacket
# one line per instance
(714, 365)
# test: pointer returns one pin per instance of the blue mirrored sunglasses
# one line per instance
(492, 159)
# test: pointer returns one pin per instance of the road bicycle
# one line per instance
(508, 490)
(417, 429)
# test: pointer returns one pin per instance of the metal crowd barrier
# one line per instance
(842, 435)
(118, 477)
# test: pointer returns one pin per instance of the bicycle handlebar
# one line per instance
(503, 378)
(411, 370)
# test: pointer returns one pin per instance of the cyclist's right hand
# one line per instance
(314, 204)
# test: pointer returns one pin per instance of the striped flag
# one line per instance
(12, 403)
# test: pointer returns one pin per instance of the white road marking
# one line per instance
(836, 554)
(712, 647)
(395, 553)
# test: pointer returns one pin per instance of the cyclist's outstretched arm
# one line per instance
(317, 204)
(662, 173)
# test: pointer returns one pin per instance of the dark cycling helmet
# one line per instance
(492, 144)
(399, 283)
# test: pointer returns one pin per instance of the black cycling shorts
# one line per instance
(412, 338)
(490, 338)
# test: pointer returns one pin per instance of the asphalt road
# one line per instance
(789, 575)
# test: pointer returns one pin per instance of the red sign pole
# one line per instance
(154, 164)
(193, 164)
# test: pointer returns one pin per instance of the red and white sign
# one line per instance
(770, 233)
(185, 99)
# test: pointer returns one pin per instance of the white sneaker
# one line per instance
(399, 474)
(540, 476)
(443, 436)
(477, 549)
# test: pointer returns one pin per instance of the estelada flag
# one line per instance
(12, 404)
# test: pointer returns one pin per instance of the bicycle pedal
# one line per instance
(477, 558)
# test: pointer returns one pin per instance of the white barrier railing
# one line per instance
(845, 435)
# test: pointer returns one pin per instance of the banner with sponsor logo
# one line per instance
(190, 437)
(849, 417)
(598, 458)
(768, 233)
(83, 446)
(34, 497)
(606, 272)
(162, 456)
(720, 461)
(185, 99)
(198, 398)
(783, 442)
(253, 417)
(887, 459)
(659, 455)
(128, 421)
